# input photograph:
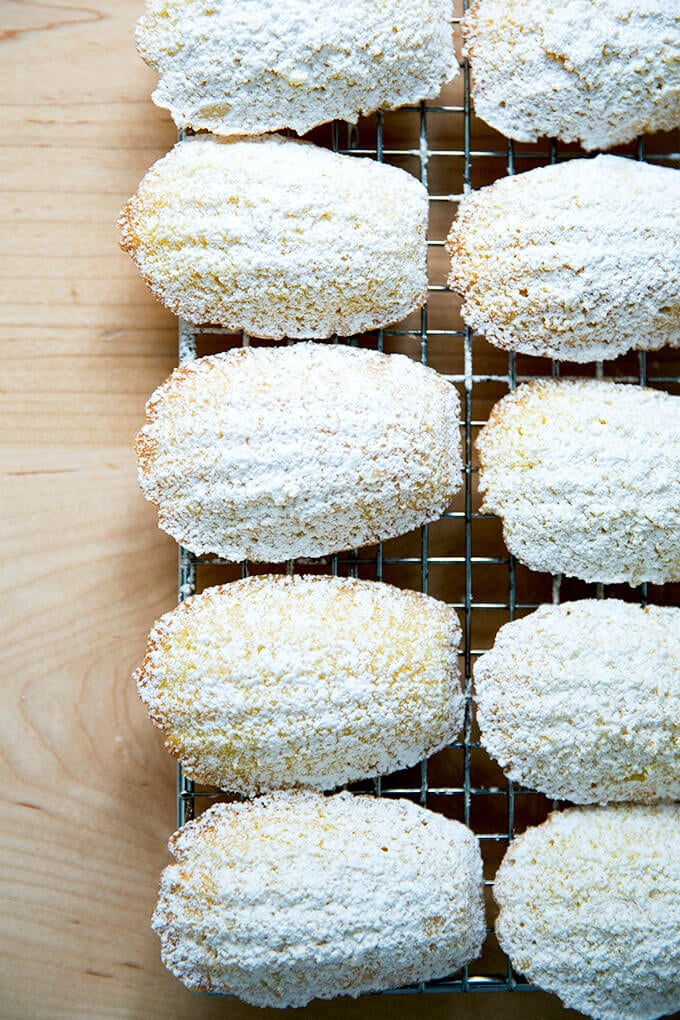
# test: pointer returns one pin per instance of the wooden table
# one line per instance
(88, 788)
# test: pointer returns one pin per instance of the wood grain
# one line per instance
(88, 791)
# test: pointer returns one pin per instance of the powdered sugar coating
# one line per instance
(272, 453)
(582, 701)
(599, 73)
(586, 477)
(279, 237)
(248, 68)
(579, 261)
(590, 909)
(275, 681)
(297, 896)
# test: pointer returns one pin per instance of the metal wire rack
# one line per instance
(460, 558)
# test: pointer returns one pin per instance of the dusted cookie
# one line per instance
(272, 453)
(596, 71)
(579, 261)
(274, 682)
(590, 909)
(247, 68)
(582, 701)
(586, 478)
(298, 896)
(279, 237)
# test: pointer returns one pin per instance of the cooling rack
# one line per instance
(461, 558)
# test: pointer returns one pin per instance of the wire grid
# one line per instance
(469, 781)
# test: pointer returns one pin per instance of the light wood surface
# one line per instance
(88, 790)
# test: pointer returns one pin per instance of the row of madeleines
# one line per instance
(287, 686)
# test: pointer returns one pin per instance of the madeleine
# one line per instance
(297, 896)
(279, 238)
(274, 453)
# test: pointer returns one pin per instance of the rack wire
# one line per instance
(460, 558)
